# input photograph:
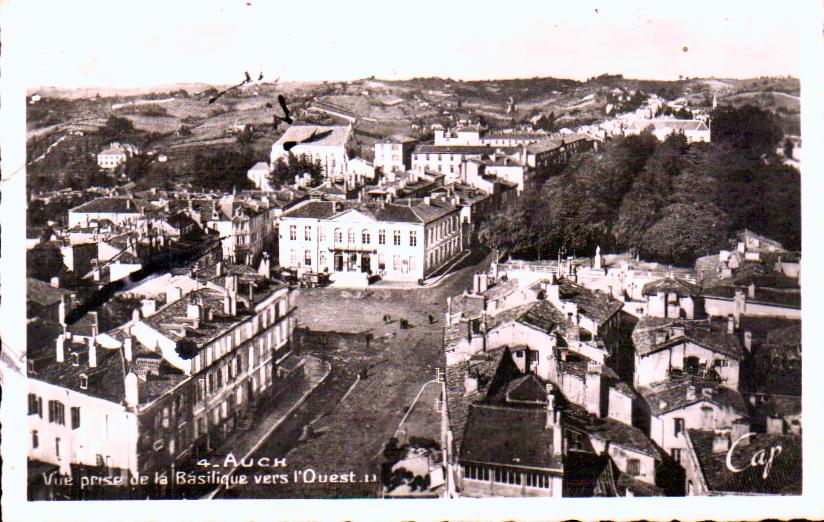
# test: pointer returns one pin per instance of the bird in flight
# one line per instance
(287, 118)
(241, 84)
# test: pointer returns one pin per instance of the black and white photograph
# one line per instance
(423, 251)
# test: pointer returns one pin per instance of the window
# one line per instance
(293, 258)
(84, 381)
(35, 405)
(322, 261)
(307, 258)
(412, 264)
(397, 238)
(307, 233)
(321, 235)
(413, 238)
(381, 262)
(293, 232)
(676, 455)
(35, 439)
(365, 238)
(633, 467)
(679, 426)
(75, 411)
(57, 447)
(57, 412)
(396, 263)
(350, 236)
(381, 237)
(338, 235)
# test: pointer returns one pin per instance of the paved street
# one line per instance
(349, 435)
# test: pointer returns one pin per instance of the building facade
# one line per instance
(396, 242)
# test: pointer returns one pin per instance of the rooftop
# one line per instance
(674, 394)
(109, 205)
(787, 298)
(782, 478)
(509, 437)
(711, 335)
(672, 285)
(318, 135)
(43, 293)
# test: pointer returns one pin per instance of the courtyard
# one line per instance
(358, 408)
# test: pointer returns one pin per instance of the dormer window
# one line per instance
(84, 381)
(75, 359)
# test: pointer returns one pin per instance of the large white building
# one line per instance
(397, 242)
(694, 130)
(317, 143)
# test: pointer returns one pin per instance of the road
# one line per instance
(349, 435)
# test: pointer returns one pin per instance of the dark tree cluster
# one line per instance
(285, 170)
(668, 201)
(222, 170)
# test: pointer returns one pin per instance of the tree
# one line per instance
(285, 170)
(684, 232)
(746, 128)
(117, 127)
(44, 261)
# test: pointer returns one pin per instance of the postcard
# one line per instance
(423, 261)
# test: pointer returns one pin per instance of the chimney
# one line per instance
(730, 324)
(470, 385)
(775, 425)
(748, 341)
(61, 311)
(691, 392)
(92, 352)
(173, 293)
(740, 427)
(476, 284)
(136, 314)
(550, 406)
(751, 291)
(194, 311)
(263, 269)
(60, 354)
(148, 307)
(427, 201)
(131, 389)
(484, 282)
(127, 348)
(721, 442)
(219, 268)
(55, 282)
(95, 325)
(740, 305)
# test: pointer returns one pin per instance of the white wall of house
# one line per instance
(106, 428)
(654, 367)
(703, 415)
(719, 307)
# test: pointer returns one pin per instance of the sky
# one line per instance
(131, 44)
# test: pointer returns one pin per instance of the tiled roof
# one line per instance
(509, 437)
(784, 477)
(42, 293)
(675, 124)
(337, 136)
(672, 395)
(105, 381)
(454, 149)
(543, 146)
(313, 210)
(708, 334)
(109, 205)
(768, 296)
(598, 306)
(672, 285)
